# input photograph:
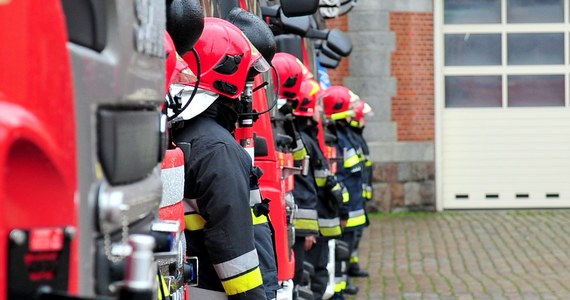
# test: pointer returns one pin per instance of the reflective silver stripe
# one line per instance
(254, 197)
(172, 185)
(198, 293)
(237, 265)
(310, 214)
(329, 222)
(321, 173)
(354, 253)
(356, 213)
(348, 153)
(300, 145)
(190, 205)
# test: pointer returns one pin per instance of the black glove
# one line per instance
(261, 208)
(254, 177)
(334, 191)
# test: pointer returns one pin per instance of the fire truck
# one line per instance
(82, 138)
(82, 144)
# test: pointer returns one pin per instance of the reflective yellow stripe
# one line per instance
(300, 154)
(258, 220)
(345, 196)
(336, 187)
(330, 231)
(351, 161)
(339, 287)
(237, 266)
(354, 123)
(305, 224)
(194, 221)
(321, 181)
(356, 221)
(354, 259)
(341, 115)
(366, 194)
(362, 157)
(165, 287)
(243, 283)
(368, 163)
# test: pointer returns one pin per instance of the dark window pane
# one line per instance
(473, 91)
(535, 11)
(536, 90)
(472, 11)
(535, 48)
(472, 49)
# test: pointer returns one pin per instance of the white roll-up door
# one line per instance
(503, 117)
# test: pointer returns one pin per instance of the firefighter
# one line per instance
(289, 75)
(337, 107)
(218, 217)
(172, 175)
(329, 190)
(361, 109)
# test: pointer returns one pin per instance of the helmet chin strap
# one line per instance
(177, 109)
(273, 104)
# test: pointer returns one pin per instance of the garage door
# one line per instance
(502, 96)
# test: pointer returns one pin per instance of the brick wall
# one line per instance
(412, 65)
(399, 84)
(337, 75)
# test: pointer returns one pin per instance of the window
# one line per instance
(473, 91)
(467, 49)
(506, 53)
(536, 90)
(472, 12)
(535, 48)
(535, 11)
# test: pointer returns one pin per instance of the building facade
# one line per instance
(470, 100)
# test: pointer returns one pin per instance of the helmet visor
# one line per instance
(182, 74)
(367, 110)
(261, 65)
(201, 101)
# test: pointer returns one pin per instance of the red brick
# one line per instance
(412, 65)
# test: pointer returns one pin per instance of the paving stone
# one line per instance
(467, 255)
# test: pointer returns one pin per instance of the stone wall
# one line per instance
(391, 67)
(402, 186)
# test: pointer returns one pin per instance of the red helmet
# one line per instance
(170, 58)
(290, 74)
(308, 97)
(338, 102)
(177, 70)
(361, 109)
(226, 56)
(307, 74)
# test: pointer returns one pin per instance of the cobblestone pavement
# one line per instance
(467, 255)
